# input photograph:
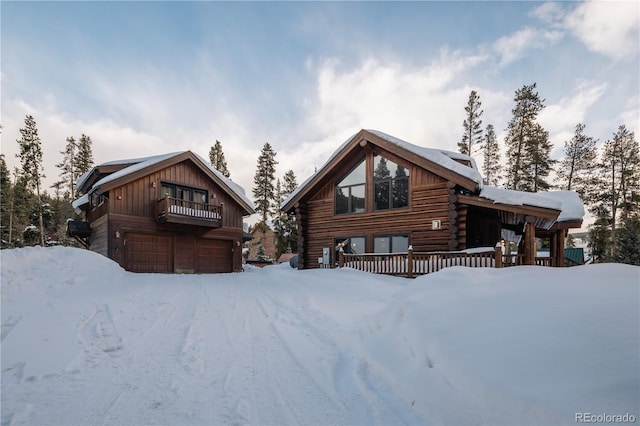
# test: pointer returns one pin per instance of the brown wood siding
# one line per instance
(429, 200)
(99, 239)
(138, 198)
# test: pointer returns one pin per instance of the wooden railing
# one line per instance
(412, 263)
(168, 207)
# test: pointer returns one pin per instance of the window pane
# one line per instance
(381, 245)
(342, 202)
(381, 167)
(356, 176)
(399, 243)
(400, 192)
(357, 199)
(356, 245)
(199, 196)
(168, 190)
(382, 195)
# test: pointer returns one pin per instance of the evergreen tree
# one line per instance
(599, 236)
(68, 174)
(576, 171)
(540, 162)
(31, 160)
(216, 157)
(84, 155)
(491, 164)
(628, 240)
(617, 189)
(5, 194)
(472, 136)
(285, 224)
(264, 181)
(527, 143)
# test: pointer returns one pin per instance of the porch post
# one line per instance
(559, 247)
(529, 242)
(410, 262)
(498, 256)
(340, 258)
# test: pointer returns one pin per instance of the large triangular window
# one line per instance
(350, 191)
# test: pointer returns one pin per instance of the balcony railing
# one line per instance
(174, 210)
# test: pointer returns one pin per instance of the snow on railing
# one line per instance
(188, 208)
(412, 263)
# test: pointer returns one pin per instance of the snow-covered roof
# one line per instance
(142, 163)
(441, 157)
(567, 202)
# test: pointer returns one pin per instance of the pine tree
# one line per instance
(628, 240)
(576, 171)
(491, 164)
(539, 156)
(31, 160)
(527, 143)
(264, 181)
(68, 174)
(599, 235)
(618, 190)
(5, 194)
(285, 224)
(84, 155)
(472, 136)
(216, 157)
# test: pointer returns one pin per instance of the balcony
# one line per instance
(182, 212)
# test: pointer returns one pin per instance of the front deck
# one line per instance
(412, 264)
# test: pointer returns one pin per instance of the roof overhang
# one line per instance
(368, 139)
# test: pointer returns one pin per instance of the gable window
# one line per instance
(184, 193)
(391, 244)
(350, 191)
(391, 184)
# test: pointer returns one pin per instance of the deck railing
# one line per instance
(412, 263)
(168, 206)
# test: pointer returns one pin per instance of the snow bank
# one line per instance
(85, 342)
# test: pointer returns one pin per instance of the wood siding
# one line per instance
(429, 199)
(131, 210)
(99, 240)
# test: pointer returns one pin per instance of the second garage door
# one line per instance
(213, 256)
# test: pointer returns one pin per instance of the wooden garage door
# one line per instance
(213, 256)
(148, 253)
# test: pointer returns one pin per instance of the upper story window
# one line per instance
(391, 184)
(184, 193)
(350, 191)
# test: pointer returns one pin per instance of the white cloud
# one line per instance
(609, 28)
(560, 118)
(512, 47)
(551, 13)
(423, 105)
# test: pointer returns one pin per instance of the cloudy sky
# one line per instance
(145, 78)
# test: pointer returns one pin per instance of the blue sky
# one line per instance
(145, 78)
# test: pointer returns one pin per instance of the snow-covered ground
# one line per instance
(84, 342)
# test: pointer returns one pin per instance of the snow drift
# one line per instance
(84, 342)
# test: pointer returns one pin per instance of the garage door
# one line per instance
(213, 256)
(148, 253)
